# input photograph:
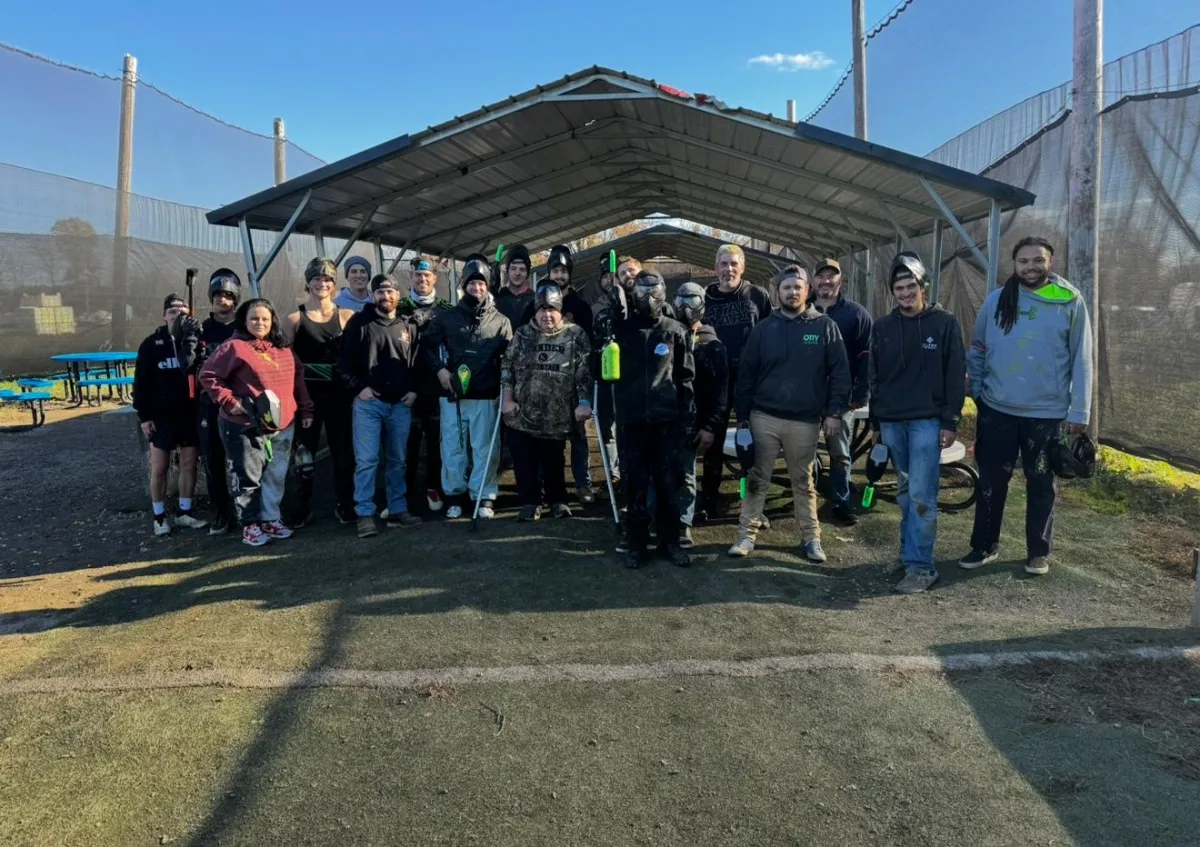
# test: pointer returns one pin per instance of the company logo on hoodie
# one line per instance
(930, 344)
(812, 338)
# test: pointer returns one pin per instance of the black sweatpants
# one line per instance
(426, 429)
(538, 462)
(651, 452)
(999, 438)
(713, 462)
(332, 410)
(212, 449)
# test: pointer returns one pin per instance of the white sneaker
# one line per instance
(190, 521)
(434, 499)
(161, 526)
(486, 512)
(383, 516)
(741, 548)
(454, 512)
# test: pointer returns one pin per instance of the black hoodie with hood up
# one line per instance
(918, 367)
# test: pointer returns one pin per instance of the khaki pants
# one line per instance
(798, 440)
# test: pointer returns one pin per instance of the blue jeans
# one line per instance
(581, 461)
(916, 453)
(839, 460)
(375, 420)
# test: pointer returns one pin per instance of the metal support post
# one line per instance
(248, 255)
(280, 152)
(859, 23)
(379, 253)
(120, 283)
(1083, 210)
(453, 292)
(935, 262)
(993, 265)
(396, 261)
(954, 221)
(354, 236)
(320, 239)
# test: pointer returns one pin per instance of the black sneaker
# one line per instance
(221, 524)
(623, 545)
(529, 514)
(844, 514)
(345, 515)
(978, 558)
(635, 558)
(685, 538)
(676, 555)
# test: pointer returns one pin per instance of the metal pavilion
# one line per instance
(599, 148)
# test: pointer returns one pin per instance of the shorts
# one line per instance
(176, 431)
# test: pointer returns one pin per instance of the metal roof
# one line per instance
(599, 148)
(671, 242)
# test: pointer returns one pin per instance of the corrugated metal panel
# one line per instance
(600, 148)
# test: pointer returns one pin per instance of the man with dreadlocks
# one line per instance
(1030, 366)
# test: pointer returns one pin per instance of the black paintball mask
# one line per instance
(476, 267)
(689, 303)
(649, 295)
(548, 296)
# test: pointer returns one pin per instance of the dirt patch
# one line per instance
(1160, 699)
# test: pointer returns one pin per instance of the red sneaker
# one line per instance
(254, 536)
(434, 498)
(276, 530)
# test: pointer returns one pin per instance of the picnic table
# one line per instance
(99, 370)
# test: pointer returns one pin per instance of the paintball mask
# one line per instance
(689, 303)
(649, 294)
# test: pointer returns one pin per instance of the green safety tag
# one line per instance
(499, 253)
(612, 261)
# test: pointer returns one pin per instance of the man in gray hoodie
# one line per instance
(356, 294)
(1030, 365)
(792, 384)
(917, 378)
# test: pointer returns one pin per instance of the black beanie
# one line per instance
(170, 300)
(518, 253)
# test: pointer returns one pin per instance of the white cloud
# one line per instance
(814, 61)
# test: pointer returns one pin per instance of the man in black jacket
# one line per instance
(164, 397)
(559, 267)
(517, 294)
(918, 383)
(794, 382)
(421, 304)
(224, 294)
(378, 347)
(711, 388)
(656, 412)
(464, 348)
(854, 322)
(733, 307)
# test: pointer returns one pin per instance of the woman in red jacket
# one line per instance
(258, 384)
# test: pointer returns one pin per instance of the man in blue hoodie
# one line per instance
(854, 322)
(918, 382)
(1030, 365)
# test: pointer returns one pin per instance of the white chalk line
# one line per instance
(581, 673)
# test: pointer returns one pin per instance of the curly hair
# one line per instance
(275, 336)
(1007, 308)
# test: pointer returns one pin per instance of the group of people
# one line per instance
(517, 368)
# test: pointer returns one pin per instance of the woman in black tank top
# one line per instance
(317, 344)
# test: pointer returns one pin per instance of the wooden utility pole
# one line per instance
(120, 281)
(1083, 211)
(860, 68)
(280, 152)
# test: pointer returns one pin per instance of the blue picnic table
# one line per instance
(99, 370)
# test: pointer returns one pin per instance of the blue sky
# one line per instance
(345, 80)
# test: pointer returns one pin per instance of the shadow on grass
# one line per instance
(1113, 748)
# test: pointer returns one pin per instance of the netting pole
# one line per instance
(1083, 210)
(280, 152)
(120, 283)
(857, 14)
